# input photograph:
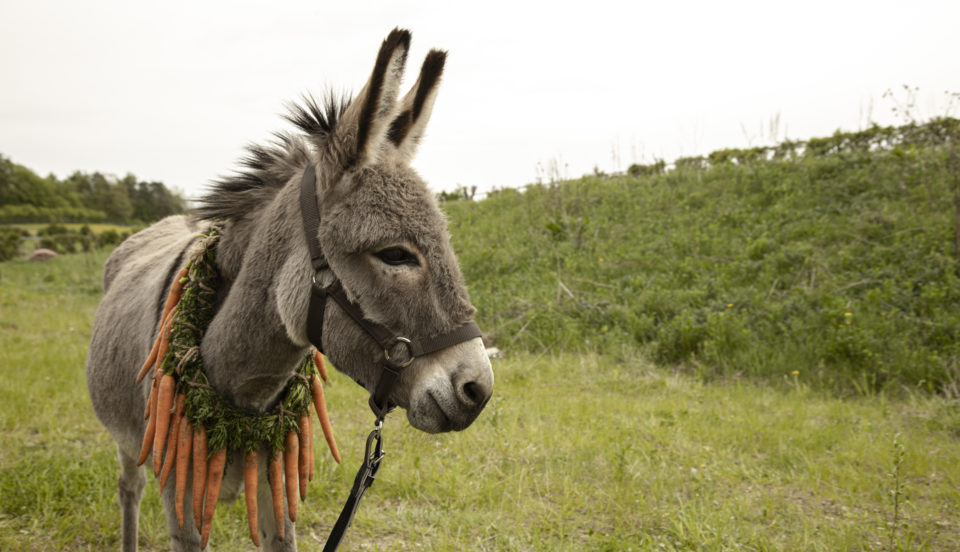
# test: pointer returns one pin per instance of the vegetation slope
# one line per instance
(834, 258)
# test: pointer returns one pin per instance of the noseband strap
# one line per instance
(398, 351)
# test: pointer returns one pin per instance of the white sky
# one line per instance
(172, 91)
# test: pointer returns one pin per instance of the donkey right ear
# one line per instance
(361, 132)
(415, 108)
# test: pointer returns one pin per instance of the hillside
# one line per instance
(832, 260)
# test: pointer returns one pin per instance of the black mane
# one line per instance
(266, 168)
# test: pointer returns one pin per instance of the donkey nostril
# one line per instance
(473, 391)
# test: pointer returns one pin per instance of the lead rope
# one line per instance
(372, 457)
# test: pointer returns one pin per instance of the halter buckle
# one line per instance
(398, 341)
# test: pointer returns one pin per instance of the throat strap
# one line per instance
(310, 214)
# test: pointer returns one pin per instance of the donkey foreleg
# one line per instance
(266, 523)
(129, 492)
(188, 538)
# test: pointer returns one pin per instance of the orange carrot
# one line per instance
(151, 399)
(164, 340)
(199, 472)
(176, 290)
(309, 447)
(303, 469)
(151, 405)
(173, 441)
(321, 407)
(250, 492)
(164, 404)
(170, 456)
(276, 491)
(147, 435)
(321, 367)
(184, 447)
(291, 454)
(152, 357)
(214, 479)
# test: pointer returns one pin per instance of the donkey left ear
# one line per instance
(408, 127)
(361, 132)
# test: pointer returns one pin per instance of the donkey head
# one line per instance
(384, 237)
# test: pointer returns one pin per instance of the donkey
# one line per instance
(381, 234)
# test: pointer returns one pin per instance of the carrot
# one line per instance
(164, 340)
(152, 357)
(291, 454)
(303, 469)
(321, 407)
(151, 398)
(165, 397)
(276, 491)
(176, 290)
(170, 456)
(151, 405)
(321, 367)
(150, 414)
(199, 472)
(309, 447)
(148, 434)
(214, 479)
(184, 446)
(250, 492)
(173, 441)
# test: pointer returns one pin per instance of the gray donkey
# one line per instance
(382, 235)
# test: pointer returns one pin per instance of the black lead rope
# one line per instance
(372, 457)
(398, 352)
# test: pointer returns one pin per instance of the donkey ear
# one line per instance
(362, 130)
(408, 127)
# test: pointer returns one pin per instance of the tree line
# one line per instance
(82, 197)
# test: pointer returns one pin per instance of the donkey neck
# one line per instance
(248, 354)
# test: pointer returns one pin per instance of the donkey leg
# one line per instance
(266, 524)
(129, 492)
(188, 538)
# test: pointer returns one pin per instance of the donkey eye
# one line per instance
(397, 256)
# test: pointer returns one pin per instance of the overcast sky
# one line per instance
(172, 91)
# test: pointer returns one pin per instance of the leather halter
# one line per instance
(398, 351)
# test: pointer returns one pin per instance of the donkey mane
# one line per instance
(267, 168)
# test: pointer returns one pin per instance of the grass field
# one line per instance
(574, 452)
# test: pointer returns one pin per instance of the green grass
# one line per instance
(576, 451)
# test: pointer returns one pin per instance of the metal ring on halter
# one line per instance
(386, 352)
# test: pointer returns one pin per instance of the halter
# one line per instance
(398, 351)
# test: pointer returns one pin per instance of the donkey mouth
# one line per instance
(435, 414)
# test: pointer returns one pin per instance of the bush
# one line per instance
(9, 243)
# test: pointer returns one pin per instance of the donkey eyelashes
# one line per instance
(397, 256)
